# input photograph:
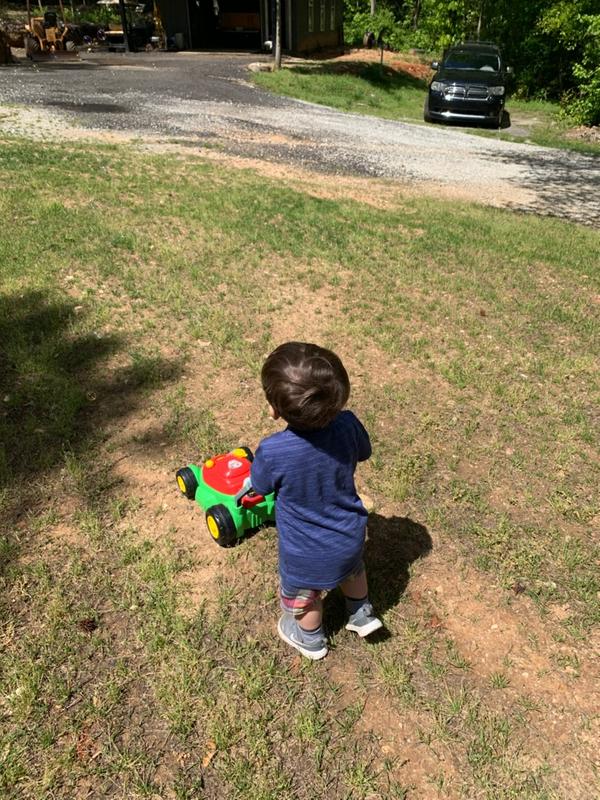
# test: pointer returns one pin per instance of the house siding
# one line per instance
(314, 24)
(317, 25)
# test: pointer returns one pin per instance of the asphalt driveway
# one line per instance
(207, 100)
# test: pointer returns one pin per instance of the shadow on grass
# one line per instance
(380, 76)
(393, 544)
(57, 392)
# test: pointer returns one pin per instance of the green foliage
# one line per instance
(584, 105)
(579, 33)
(553, 45)
(450, 22)
(397, 32)
(358, 21)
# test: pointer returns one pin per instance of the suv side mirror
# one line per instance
(435, 65)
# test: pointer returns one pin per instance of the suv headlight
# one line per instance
(437, 86)
(497, 91)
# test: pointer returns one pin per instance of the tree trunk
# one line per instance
(373, 7)
(416, 14)
(480, 20)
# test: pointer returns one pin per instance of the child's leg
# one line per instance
(362, 616)
(300, 626)
(355, 587)
(312, 619)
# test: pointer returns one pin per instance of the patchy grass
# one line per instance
(140, 660)
(363, 88)
(396, 90)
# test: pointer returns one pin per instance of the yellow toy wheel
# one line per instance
(221, 526)
(245, 452)
(186, 480)
(212, 526)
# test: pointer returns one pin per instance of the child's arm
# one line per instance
(364, 443)
(260, 473)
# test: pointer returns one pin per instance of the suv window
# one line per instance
(467, 59)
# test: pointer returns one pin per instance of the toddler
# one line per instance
(310, 466)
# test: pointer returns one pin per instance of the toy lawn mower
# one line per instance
(221, 486)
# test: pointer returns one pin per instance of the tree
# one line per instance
(577, 28)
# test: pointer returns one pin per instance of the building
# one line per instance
(307, 25)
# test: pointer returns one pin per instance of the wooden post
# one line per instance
(123, 14)
(277, 63)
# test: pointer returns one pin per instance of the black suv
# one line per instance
(469, 84)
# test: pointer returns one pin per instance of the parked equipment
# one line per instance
(48, 36)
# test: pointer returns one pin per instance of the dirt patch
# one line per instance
(585, 134)
(500, 635)
(355, 59)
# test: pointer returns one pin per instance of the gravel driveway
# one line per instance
(206, 100)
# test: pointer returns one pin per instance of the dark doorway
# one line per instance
(226, 24)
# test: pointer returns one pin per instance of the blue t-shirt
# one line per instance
(320, 518)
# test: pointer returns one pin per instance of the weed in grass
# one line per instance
(349, 716)
(498, 680)
(456, 698)
(362, 777)
(257, 672)
(413, 633)
(396, 678)
(454, 656)
(310, 722)
(569, 662)
(404, 476)
(566, 503)
(435, 668)
(471, 496)
(193, 425)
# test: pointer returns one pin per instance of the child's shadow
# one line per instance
(392, 545)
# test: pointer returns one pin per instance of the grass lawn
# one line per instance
(397, 91)
(138, 659)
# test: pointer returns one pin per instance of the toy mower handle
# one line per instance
(247, 497)
(251, 499)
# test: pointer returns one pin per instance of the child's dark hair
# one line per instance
(306, 384)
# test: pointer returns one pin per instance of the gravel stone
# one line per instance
(206, 99)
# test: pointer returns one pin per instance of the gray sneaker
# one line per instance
(364, 621)
(289, 630)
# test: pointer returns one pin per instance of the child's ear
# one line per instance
(273, 413)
